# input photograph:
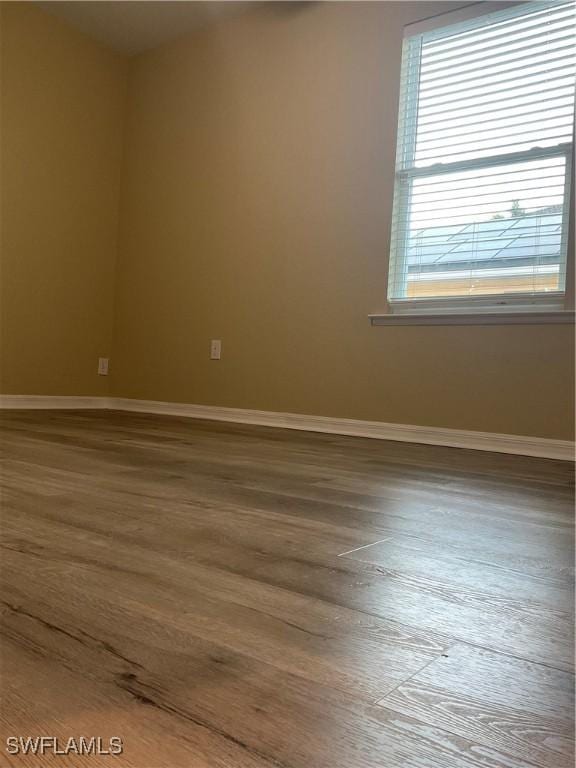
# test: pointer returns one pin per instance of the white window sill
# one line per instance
(532, 317)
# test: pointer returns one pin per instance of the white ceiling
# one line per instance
(131, 26)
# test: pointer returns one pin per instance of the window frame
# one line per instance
(405, 171)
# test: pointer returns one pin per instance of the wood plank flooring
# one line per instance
(223, 596)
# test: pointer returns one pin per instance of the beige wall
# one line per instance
(62, 108)
(256, 209)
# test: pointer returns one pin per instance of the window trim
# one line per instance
(492, 317)
(550, 304)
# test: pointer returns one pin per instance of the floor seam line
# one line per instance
(365, 546)
(410, 677)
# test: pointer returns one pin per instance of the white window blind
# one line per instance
(481, 199)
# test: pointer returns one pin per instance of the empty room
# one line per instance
(287, 384)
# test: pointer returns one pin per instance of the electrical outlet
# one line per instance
(102, 366)
(215, 349)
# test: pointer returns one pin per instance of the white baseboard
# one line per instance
(408, 433)
(49, 402)
(454, 438)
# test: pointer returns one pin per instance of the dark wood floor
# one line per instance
(233, 597)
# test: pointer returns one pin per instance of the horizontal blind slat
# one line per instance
(529, 62)
(567, 103)
(496, 149)
(481, 103)
(533, 30)
(562, 111)
(564, 128)
(467, 64)
(500, 23)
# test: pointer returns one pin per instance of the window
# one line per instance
(484, 157)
